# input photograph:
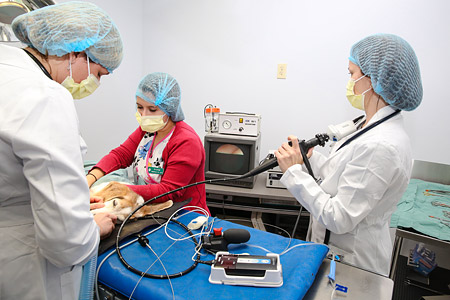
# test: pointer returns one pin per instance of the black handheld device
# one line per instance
(319, 139)
(218, 241)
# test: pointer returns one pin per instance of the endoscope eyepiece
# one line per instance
(337, 132)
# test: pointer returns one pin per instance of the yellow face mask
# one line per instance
(84, 88)
(357, 101)
(151, 123)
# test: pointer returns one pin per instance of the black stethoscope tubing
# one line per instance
(364, 130)
(38, 63)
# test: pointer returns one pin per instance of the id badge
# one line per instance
(155, 170)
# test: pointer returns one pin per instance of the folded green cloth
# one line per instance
(415, 208)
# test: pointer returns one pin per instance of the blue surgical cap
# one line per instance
(72, 27)
(392, 66)
(162, 90)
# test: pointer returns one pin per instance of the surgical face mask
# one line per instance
(85, 87)
(357, 101)
(151, 123)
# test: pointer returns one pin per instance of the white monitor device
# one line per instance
(230, 156)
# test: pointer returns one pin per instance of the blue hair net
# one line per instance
(162, 90)
(72, 27)
(392, 66)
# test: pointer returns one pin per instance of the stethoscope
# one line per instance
(358, 134)
(396, 112)
(38, 63)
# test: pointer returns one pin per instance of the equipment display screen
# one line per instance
(229, 158)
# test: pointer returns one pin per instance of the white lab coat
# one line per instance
(362, 183)
(46, 229)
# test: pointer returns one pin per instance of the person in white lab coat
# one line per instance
(47, 231)
(367, 172)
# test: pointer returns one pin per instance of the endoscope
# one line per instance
(335, 132)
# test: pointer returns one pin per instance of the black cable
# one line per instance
(143, 240)
(128, 266)
(327, 232)
(208, 262)
(268, 156)
(303, 151)
(368, 128)
(319, 139)
(271, 163)
(38, 63)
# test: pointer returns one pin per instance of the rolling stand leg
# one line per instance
(395, 253)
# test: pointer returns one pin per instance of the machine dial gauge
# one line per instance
(226, 124)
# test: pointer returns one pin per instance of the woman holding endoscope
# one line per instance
(366, 172)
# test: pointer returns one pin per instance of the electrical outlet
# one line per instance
(281, 72)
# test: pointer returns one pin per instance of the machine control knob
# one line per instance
(217, 231)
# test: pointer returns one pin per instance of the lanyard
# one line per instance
(39, 64)
(368, 128)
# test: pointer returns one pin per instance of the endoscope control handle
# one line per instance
(271, 163)
(318, 140)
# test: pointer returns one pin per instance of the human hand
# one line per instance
(96, 202)
(106, 222)
(288, 155)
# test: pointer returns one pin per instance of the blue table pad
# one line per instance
(299, 266)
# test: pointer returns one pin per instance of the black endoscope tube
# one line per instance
(304, 151)
(154, 276)
(271, 163)
(319, 139)
(128, 266)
